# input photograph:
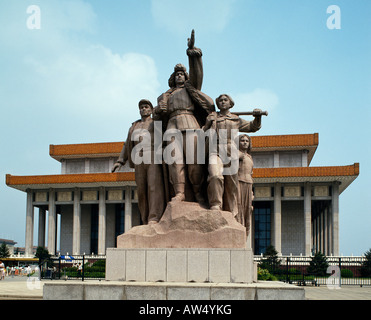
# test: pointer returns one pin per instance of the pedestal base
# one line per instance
(181, 265)
(187, 225)
(119, 290)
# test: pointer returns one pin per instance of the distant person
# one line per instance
(28, 271)
(79, 270)
(2, 270)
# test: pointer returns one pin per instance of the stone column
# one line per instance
(328, 231)
(52, 223)
(41, 237)
(317, 233)
(63, 166)
(325, 231)
(276, 159)
(102, 222)
(87, 166)
(304, 158)
(29, 224)
(321, 230)
(335, 219)
(277, 218)
(307, 218)
(128, 211)
(76, 229)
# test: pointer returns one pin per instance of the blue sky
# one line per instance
(79, 77)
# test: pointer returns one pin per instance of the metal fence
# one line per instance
(84, 267)
(293, 269)
(297, 270)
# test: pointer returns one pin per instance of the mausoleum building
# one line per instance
(296, 206)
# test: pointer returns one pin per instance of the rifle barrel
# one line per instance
(250, 113)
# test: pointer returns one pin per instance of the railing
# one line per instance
(339, 271)
(84, 267)
(290, 269)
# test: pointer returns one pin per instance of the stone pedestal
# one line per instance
(143, 291)
(189, 244)
(187, 225)
(181, 265)
(192, 254)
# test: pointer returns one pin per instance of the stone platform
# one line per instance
(176, 274)
(181, 265)
(120, 290)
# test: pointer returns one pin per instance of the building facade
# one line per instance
(10, 244)
(296, 206)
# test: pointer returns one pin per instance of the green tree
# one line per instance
(4, 251)
(270, 260)
(44, 256)
(318, 265)
(366, 265)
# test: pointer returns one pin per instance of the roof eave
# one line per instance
(344, 174)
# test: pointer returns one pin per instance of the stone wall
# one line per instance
(292, 228)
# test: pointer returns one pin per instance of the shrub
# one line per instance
(99, 263)
(270, 260)
(294, 271)
(366, 265)
(346, 273)
(263, 274)
(318, 265)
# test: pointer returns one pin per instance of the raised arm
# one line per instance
(196, 73)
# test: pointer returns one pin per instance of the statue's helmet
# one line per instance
(145, 101)
(178, 67)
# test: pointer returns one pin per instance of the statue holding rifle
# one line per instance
(199, 199)
(222, 187)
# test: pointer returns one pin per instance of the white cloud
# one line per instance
(94, 81)
(68, 15)
(55, 69)
(57, 18)
(179, 16)
(259, 98)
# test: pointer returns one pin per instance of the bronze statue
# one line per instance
(181, 108)
(138, 150)
(223, 183)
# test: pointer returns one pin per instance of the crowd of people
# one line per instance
(11, 271)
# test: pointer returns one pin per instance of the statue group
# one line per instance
(183, 150)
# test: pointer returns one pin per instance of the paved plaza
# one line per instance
(23, 288)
